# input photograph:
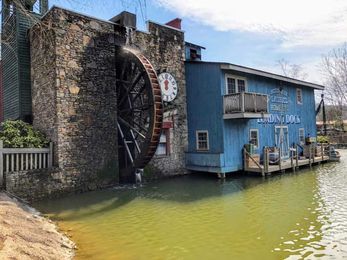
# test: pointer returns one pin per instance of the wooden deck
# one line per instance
(286, 164)
(252, 164)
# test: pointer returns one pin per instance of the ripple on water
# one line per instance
(293, 216)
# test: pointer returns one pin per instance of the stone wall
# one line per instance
(75, 102)
(164, 47)
(74, 95)
(40, 184)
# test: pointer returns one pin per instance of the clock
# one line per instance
(168, 86)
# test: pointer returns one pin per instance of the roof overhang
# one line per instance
(238, 68)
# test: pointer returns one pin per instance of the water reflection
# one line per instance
(293, 215)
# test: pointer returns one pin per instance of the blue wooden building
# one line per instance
(230, 106)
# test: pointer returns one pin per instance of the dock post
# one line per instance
(297, 156)
(322, 151)
(310, 155)
(291, 158)
(313, 152)
(280, 159)
(244, 159)
(266, 159)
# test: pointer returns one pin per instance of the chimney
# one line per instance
(125, 19)
(175, 23)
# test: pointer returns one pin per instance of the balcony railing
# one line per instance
(245, 105)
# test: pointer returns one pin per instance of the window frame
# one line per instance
(299, 102)
(166, 132)
(236, 78)
(197, 132)
(303, 136)
(250, 135)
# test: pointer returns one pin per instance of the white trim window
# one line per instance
(299, 96)
(302, 136)
(234, 84)
(254, 137)
(202, 142)
(162, 148)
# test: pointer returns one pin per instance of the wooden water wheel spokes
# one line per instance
(140, 109)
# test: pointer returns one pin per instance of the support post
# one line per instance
(322, 152)
(291, 157)
(310, 154)
(313, 152)
(297, 156)
(266, 159)
(280, 158)
(50, 155)
(244, 159)
(1, 164)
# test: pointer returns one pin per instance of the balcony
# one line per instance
(245, 105)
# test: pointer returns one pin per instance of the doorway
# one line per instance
(282, 140)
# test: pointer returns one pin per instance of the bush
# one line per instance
(18, 134)
(322, 139)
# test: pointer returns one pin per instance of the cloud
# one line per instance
(296, 22)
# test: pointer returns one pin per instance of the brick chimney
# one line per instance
(175, 23)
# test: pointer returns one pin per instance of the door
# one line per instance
(282, 140)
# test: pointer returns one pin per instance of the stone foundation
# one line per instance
(36, 185)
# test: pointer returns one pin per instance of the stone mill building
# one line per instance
(94, 88)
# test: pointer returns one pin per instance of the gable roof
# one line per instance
(270, 75)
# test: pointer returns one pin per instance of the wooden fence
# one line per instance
(23, 159)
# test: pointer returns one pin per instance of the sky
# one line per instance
(251, 33)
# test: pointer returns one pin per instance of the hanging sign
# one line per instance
(278, 100)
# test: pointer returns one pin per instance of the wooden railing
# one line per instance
(23, 159)
(245, 102)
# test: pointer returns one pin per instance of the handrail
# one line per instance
(249, 155)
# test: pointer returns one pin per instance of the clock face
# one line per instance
(168, 86)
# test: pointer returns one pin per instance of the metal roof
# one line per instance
(238, 68)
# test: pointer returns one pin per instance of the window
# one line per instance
(301, 136)
(299, 96)
(235, 84)
(202, 141)
(163, 147)
(254, 137)
(11, 9)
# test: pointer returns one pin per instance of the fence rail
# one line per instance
(245, 102)
(23, 159)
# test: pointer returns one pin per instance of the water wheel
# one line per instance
(140, 111)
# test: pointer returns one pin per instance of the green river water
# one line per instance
(300, 215)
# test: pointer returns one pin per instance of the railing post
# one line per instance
(1, 164)
(242, 102)
(50, 155)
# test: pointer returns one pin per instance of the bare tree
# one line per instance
(334, 70)
(292, 70)
(334, 65)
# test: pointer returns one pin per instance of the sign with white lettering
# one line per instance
(280, 119)
(278, 100)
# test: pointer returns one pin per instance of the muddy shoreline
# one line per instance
(25, 234)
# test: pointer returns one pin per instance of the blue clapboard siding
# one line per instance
(205, 90)
(204, 109)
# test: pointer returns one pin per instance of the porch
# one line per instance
(245, 105)
(313, 154)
